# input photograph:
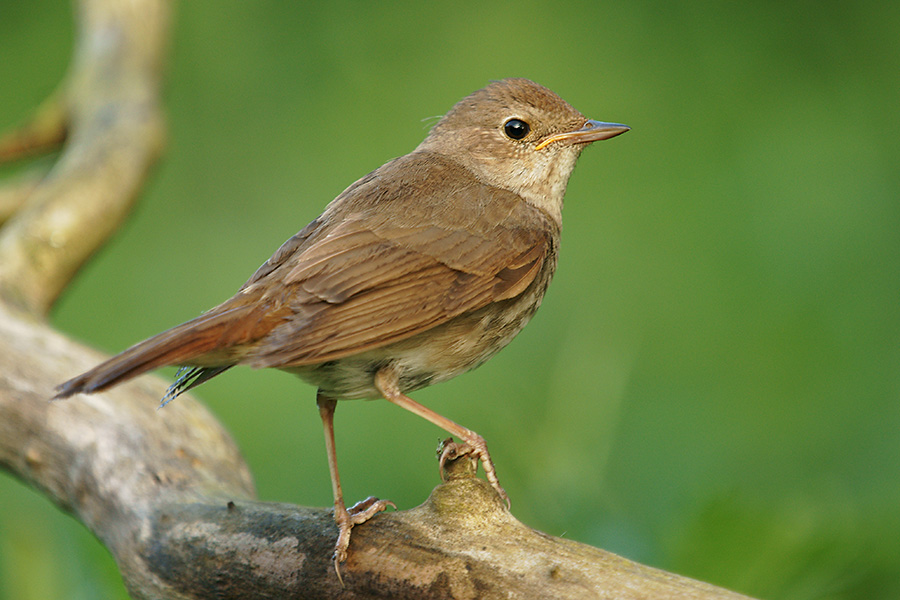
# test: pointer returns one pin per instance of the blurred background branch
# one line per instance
(108, 117)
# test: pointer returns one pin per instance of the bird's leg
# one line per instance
(386, 382)
(359, 512)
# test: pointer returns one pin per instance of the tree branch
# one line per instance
(115, 134)
(168, 492)
(171, 497)
(44, 132)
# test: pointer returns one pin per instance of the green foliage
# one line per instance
(711, 386)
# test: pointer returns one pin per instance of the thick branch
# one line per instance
(16, 191)
(170, 496)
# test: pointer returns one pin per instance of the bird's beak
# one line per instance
(592, 131)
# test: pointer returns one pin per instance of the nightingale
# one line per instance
(416, 273)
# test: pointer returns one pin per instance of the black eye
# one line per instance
(516, 129)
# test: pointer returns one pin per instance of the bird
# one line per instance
(418, 272)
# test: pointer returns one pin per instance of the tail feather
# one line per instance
(188, 378)
(212, 332)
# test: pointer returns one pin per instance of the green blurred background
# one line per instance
(712, 384)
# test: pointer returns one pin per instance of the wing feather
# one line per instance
(377, 275)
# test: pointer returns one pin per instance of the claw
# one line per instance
(476, 448)
(357, 514)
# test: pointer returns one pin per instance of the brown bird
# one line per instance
(418, 272)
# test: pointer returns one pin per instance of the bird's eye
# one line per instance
(516, 129)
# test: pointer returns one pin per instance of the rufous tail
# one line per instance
(217, 330)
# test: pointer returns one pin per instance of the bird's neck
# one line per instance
(541, 184)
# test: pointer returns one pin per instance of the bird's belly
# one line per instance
(435, 355)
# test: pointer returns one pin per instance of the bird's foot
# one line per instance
(346, 518)
(475, 448)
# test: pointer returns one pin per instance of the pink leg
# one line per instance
(474, 444)
(360, 512)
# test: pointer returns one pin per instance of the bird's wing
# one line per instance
(381, 264)
(287, 249)
(380, 276)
